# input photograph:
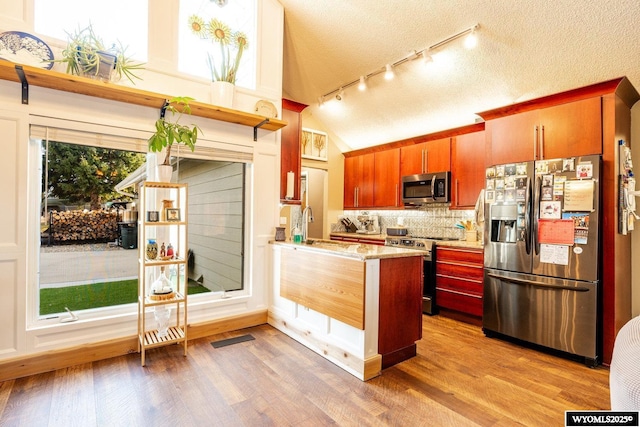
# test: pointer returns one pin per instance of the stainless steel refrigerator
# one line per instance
(541, 254)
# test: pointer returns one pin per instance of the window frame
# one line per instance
(112, 313)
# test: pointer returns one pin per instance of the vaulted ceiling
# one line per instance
(526, 49)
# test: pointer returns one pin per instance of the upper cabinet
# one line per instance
(467, 169)
(358, 181)
(563, 125)
(372, 180)
(387, 178)
(426, 157)
(290, 154)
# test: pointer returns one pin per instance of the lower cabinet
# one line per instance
(459, 279)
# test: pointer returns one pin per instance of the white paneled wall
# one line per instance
(23, 332)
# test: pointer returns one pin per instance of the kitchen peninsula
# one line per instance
(357, 305)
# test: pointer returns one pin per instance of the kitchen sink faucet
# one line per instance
(307, 217)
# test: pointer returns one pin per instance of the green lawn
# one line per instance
(82, 297)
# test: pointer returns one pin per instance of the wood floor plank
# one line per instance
(459, 378)
(73, 401)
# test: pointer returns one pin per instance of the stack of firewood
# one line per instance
(79, 225)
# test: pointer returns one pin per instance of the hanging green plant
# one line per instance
(169, 132)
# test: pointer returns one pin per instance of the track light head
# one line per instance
(362, 85)
(388, 73)
(426, 57)
(340, 95)
(471, 40)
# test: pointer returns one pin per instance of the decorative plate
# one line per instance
(23, 48)
(266, 108)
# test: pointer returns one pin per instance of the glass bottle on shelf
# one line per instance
(162, 313)
(162, 285)
(170, 251)
(152, 249)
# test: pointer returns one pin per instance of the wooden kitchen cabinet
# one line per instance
(400, 309)
(290, 154)
(467, 169)
(459, 279)
(426, 157)
(358, 181)
(565, 130)
(386, 190)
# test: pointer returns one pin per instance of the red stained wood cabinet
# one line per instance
(386, 178)
(290, 154)
(358, 181)
(426, 157)
(565, 130)
(459, 279)
(467, 169)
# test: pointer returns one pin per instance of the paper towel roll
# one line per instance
(290, 179)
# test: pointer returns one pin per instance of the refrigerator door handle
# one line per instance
(527, 217)
(536, 214)
(536, 283)
(535, 142)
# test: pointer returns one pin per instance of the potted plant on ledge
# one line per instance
(86, 55)
(223, 63)
(171, 132)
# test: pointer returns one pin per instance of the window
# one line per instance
(238, 15)
(88, 242)
(53, 18)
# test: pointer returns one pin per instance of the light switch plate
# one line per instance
(283, 220)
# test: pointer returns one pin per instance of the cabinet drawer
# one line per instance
(473, 287)
(473, 272)
(472, 256)
(459, 302)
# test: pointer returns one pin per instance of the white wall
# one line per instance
(23, 333)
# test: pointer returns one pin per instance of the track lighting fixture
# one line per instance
(426, 58)
(388, 72)
(320, 101)
(470, 42)
(362, 86)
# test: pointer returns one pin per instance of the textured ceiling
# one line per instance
(526, 49)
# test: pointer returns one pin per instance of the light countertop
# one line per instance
(360, 251)
(458, 243)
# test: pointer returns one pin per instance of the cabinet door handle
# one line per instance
(423, 167)
(457, 201)
(426, 161)
(542, 142)
(355, 196)
(535, 142)
(395, 202)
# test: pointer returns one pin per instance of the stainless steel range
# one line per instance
(427, 245)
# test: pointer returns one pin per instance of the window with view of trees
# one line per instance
(88, 254)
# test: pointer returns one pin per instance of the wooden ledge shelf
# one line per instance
(84, 86)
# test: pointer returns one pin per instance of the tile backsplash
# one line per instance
(434, 220)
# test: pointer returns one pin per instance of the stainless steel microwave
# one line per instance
(418, 190)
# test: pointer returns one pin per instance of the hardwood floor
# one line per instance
(459, 378)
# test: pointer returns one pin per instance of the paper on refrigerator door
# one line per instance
(578, 196)
(554, 254)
